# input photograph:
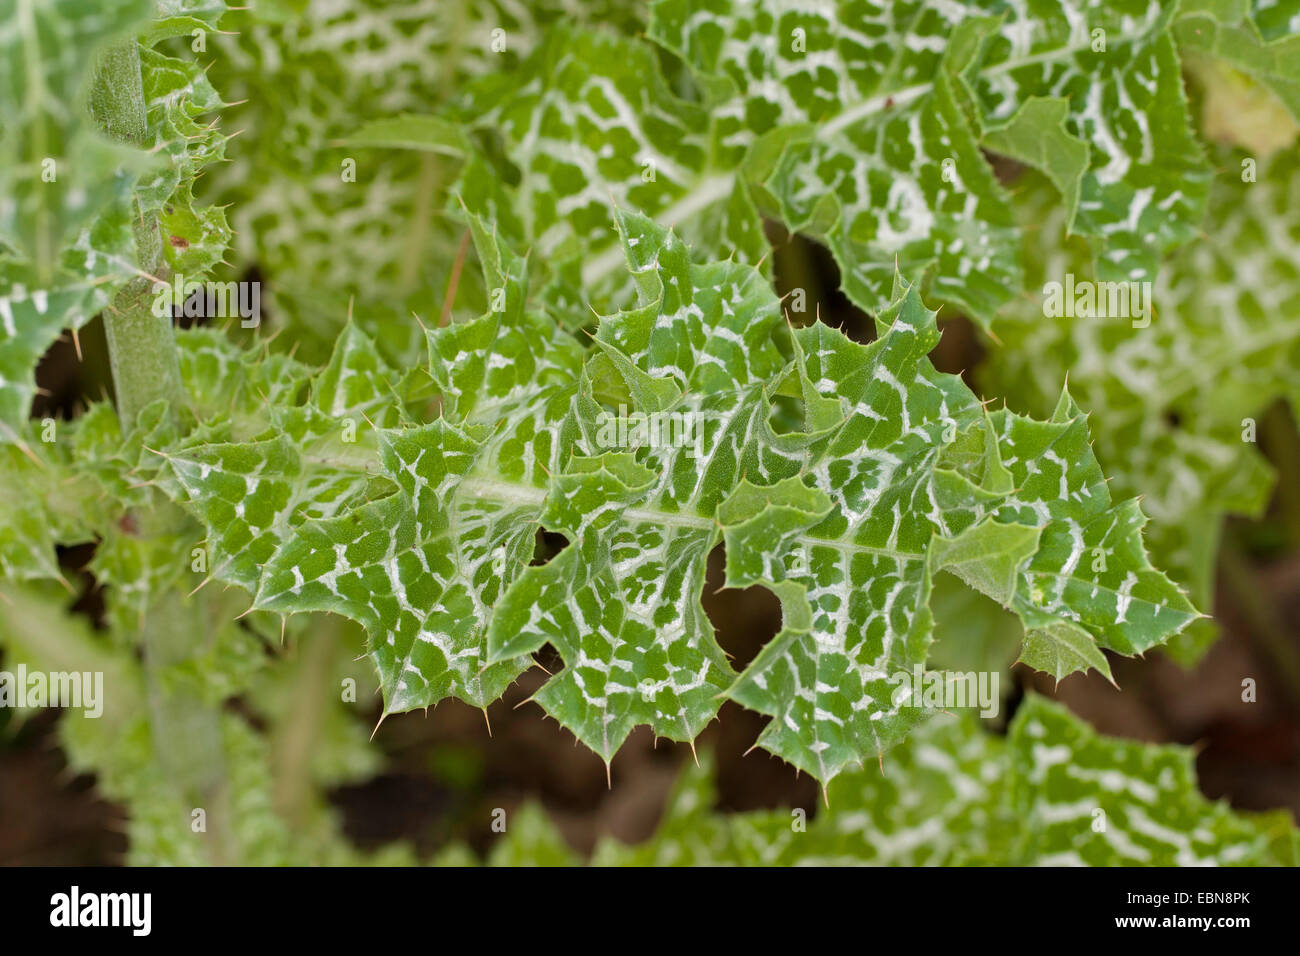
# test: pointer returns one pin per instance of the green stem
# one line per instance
(421, 217)
(141, 346)
(297, 733)
(117, 95)
(187, 732)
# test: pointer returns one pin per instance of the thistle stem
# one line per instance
(297, 734)
(187, 732)
(141, 346)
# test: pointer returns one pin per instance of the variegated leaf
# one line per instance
(887, 473)
(1175, 395)
(1054, 793)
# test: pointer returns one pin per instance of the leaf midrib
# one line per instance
(513, 494)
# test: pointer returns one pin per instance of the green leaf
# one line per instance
(1061, 648)
(174, 18)
(1174, 402)
(828, 684)
(317, 460)
(304, 82)
(691, 833)
(988, 556)
(31, 318)
(972, 633)
(1053, 793)
(66, 228)
(1226, 37)
(177, 95)
(421, 133)
(395, 564)
(194, 237)
(644, 452)
(1081, 798)
(335, 471)
(1038, 135)
(789, 103)
(56, 171)
(591, 125)
(65, 233)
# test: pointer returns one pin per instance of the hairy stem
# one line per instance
(141, 346)
(297, 733)
(187, 733)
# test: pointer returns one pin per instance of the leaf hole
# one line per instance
(787, 414)
(547, 545)
(743, 620)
